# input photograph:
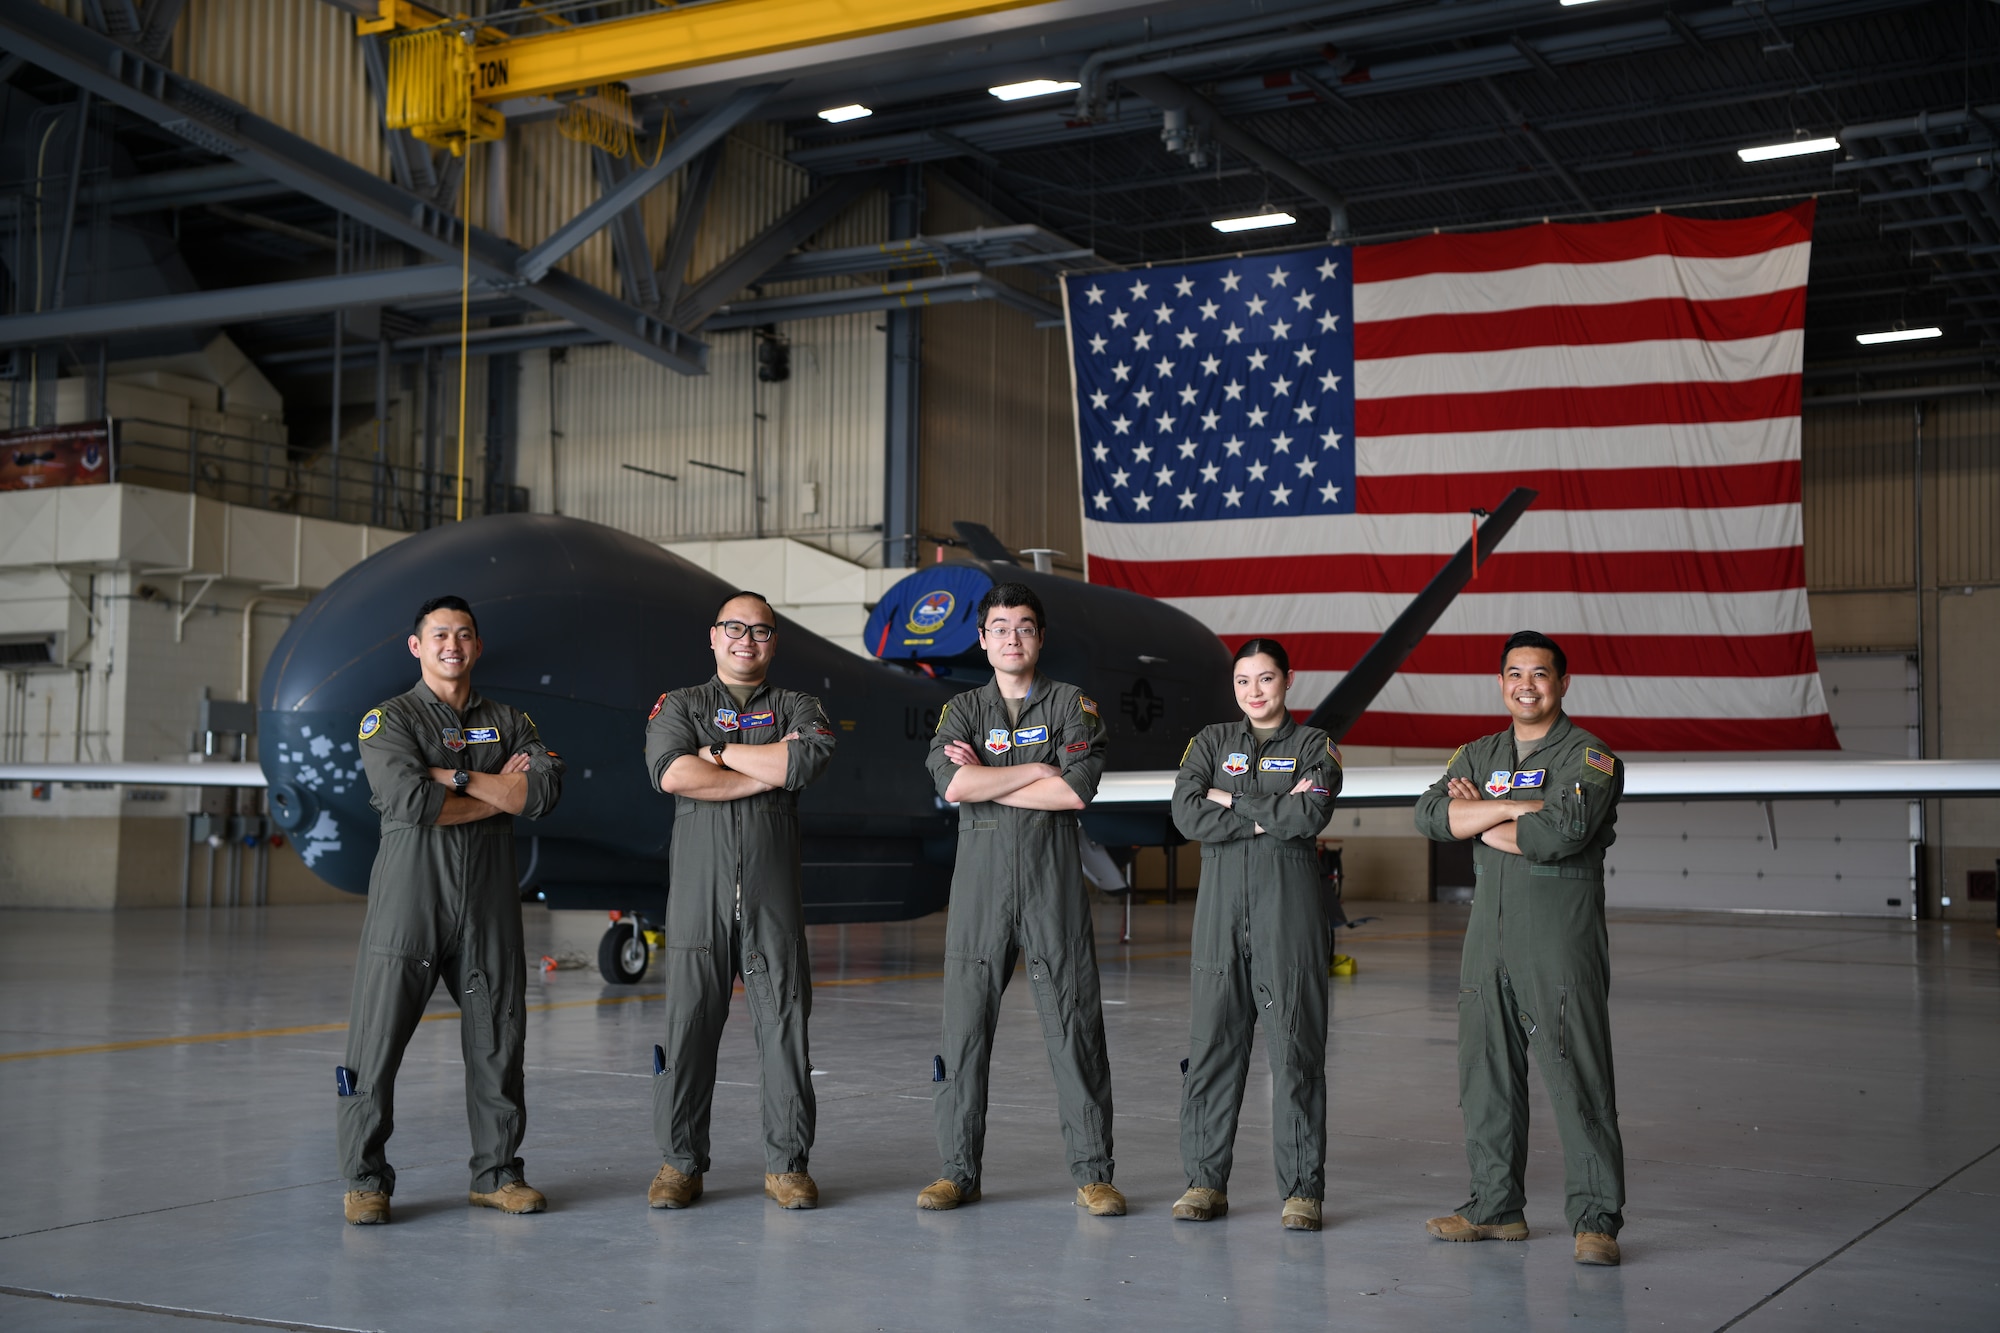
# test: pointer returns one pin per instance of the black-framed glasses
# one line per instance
(736, 629)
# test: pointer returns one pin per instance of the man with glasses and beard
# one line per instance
(734, 753)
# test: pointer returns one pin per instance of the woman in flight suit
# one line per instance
(1255, 793)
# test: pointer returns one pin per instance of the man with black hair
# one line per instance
(1541, 798)
(449, 770)
(1019, 757)
(734, 753)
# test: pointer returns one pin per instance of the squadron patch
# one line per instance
(997, 742)
(1532, 777)
(725, 719)
(931, 611)
(1501, 782)
(371, 723)
(658, 704)
(454, 739)
(1235, 764)
(763, 719)
(1031, 735)
(1277, 765)
(1600, 761)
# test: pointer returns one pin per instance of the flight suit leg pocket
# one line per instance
(477, 1004)
(758, 988)
(1051, 999)
(1208, 987)
(391, 987)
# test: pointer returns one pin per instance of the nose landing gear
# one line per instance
(625, 952)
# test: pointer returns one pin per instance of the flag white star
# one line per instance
(1281, 495)
(1257, 471)
(1209, 472)
(1231, 391)
(1331, 440)
(1232, 333)
(1121, 426)
(1142, 502)
(1095, 293)
(1330, 493)
(1187, 499)
(1099, 399)
(1209, 309)
(1101, 452)
(1329, 383)
(1280, 387)
(1164, 423)
(1118, 318)
(1210, 364)
(1210, 420)
(1257, 415)
(1306, 466)
(1143, 454)
(1142, 341)
(1304, 353)
(1280, 329)
(1256, 306)
(1121, 372)
(1120, 477)
(1185, 337)
(1189, 448)
(1101, 500)
(1329, 322)
(1278, 276)
(1233, 446)
(1139, 290)
(1163, 367)
(1257, 359)
(1305, 411)
(1097, 343)
(1328, 269)
(1188, 395)
(1164, 477)
(1281, 443)
(1185, 287)
(1304, 300)
(1229, 281)
(1143, 397)
(1232, 497)
(1164, 313)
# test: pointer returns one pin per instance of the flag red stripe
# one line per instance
(1621, 734)
(1578, 408)
(1530, 571)
(1589, 654)
(1583, 243)
(1609, 488)
(1757, 316)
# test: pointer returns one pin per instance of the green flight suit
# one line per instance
(1536, 973)
(1259, 946)
(444, 904)
(1018, 889)
(733, 910)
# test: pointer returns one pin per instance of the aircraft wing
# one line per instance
(139, 775)
(1697, 780)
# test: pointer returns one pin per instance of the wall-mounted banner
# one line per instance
(39, 457)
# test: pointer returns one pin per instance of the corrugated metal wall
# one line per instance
(1859, 469)
(998, 426)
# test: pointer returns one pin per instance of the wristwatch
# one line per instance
(715, 753)
(459, 779)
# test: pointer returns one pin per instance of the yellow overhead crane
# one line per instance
(447, 71)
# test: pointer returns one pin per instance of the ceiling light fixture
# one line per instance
(1014, 92)
(1254, 222)
(852, 111)
(1568, 3)
(1897, 336)
(1795, 148)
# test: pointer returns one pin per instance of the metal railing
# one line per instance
(267, 474)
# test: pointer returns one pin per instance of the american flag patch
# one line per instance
(1600, 761)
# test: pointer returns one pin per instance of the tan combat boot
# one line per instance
(1457, 1228)
(1201, 1205)
(366, 1208)
(1300, 1214)
(1102, 1198)
(1594, 1247)
(671, 1189)
(516, 1196)
(793, 1189)
(942, 1196)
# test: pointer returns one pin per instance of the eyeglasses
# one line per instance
(736, 629)
(1025, 633)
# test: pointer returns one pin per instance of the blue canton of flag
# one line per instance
(1216, 390)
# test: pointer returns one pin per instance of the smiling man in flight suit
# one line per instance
(1542, 798)
(449, 770)
(734, 753)
(1020, 756)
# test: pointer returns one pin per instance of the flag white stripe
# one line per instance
(1589, 695)
(1601, 365)
(1722, 444)
(1745, 528)
(1782, 611)
(1650, 278)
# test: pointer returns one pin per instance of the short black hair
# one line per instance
(1012, 594)
(1531, 638)
(444, 603)
(745, 592)
(1270, 648)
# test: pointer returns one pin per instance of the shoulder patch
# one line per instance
(1454, 757)
(371, 723)
(1185, 753)
(1087, 704)
(943, 713)
(1333, 751)
(1602, 762)
(658, 704)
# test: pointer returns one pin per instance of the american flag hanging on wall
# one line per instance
(1291, 445)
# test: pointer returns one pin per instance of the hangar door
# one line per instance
(1854, 858)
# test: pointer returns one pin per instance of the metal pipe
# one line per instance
(1918, 905)
(1091, 75)
(69, 200)
(1921, 123)
(243, 688)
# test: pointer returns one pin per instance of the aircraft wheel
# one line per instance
(622, 955)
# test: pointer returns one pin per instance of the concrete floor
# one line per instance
(1808, 1105)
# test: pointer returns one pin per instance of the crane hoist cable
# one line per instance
(464, 297)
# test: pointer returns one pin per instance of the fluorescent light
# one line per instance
(1014, 92)
(1896, 336)
(852, 111)
(1255, 222)
(1796, 148)
(1568, 3)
